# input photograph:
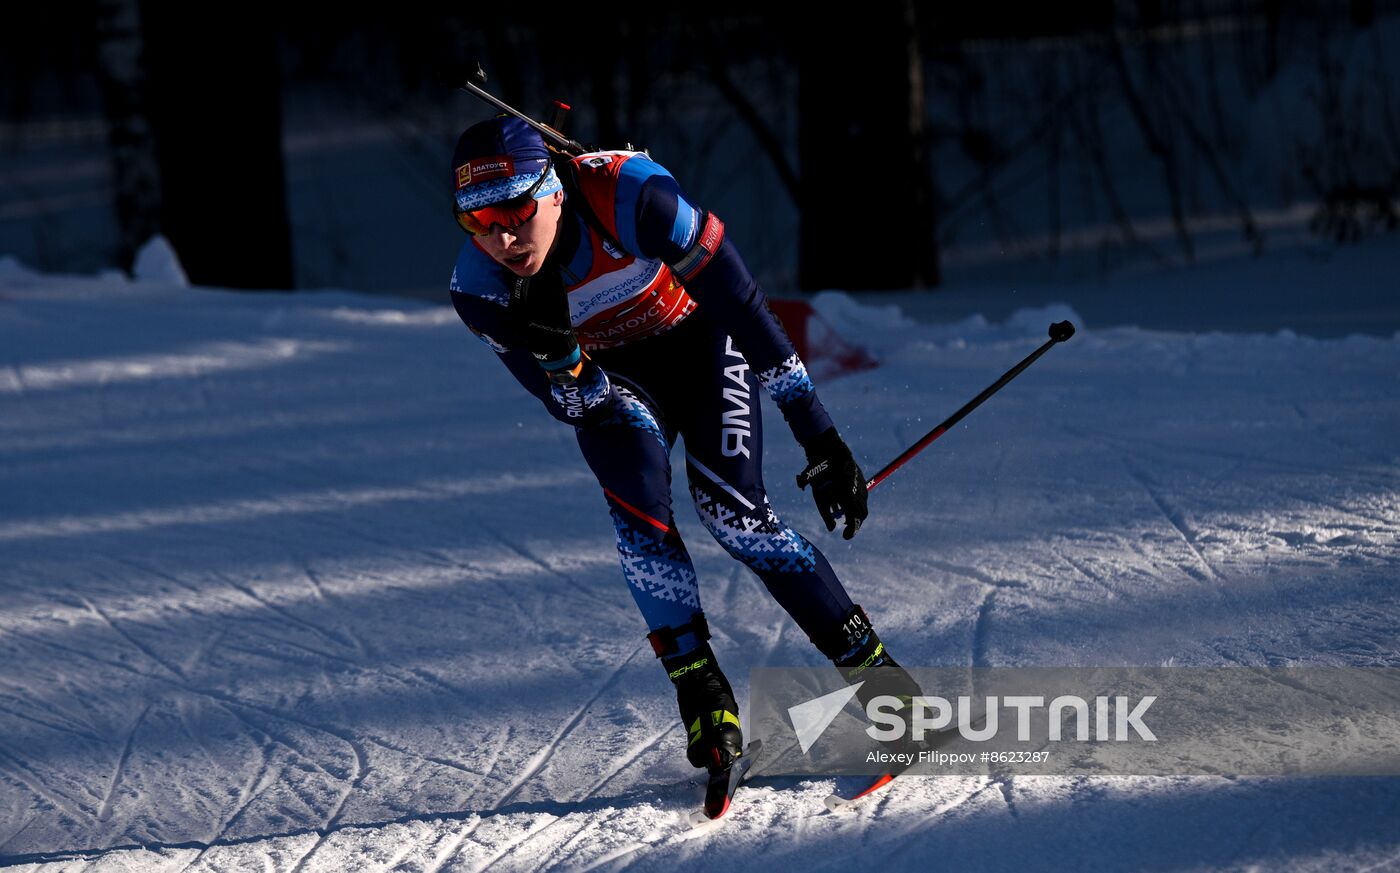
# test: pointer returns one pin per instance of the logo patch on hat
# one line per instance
(485, 169)
(464, 176)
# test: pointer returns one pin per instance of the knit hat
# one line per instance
(498, 159)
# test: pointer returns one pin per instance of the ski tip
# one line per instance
(717, 803)
(718, 810)
(838, 802)
(702, 817)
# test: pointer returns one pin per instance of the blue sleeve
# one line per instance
(655, 216)
(589, 401)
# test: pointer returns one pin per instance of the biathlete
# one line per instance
(627, 310)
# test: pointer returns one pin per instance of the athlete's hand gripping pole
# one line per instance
(838, 486)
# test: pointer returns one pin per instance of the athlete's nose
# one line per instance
(503, 238)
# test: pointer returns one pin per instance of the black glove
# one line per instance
(838, 486)
(541, 305)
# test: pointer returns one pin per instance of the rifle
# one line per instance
(554, 139)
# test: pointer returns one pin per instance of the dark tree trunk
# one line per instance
(122, 78)
(868, 219)
(216, 112)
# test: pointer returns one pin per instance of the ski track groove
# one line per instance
(537, 763)
(882, 803)
(202, 650)
(726, 586)
(907, 845)
(723, 591)
(981, 630)
(251, 593)
(1076, 567)
(534, 831)
(246, 794)
(723, 630)
(417, 676)
(77, 732)
(1003, 782)
(431, 759)
(397, 858)
(118, 665)
(1173, 517)
(617, 855)
(319, 655)
(1391, 863)
(508, 597)
(506, 732)
(409, 675)
(1357, 451)
(31, 780)
(104, 810)
(994, 479)
(362, 770)
(627, 761)
(345, 530)
(1262, 463)
(428, 678)
(138, 646)
(589, 827)
(974, 574)
(1272, 676)
(367, 669)
(159, 574)
(17, 377)
(227, 701)
(450, 850)
(14, 836)
(525, 553)
(1382, 525)
(314, 580)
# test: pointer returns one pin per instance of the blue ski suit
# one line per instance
(677, 341)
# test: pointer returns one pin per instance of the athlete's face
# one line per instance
(523, 249)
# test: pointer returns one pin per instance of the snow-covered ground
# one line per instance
(308, 583)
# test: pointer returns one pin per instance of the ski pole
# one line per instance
(1059, 332)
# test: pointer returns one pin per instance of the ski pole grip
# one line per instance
(1061, 331)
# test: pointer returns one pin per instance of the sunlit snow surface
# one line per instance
(307, 582)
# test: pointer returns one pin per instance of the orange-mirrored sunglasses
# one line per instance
(509, 214)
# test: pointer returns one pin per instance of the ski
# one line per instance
(722, 785)
(837, 802)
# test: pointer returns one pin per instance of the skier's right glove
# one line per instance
(540, 302)
(838, 486)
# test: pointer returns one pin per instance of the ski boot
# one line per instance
(708, 711)
(860, 656)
